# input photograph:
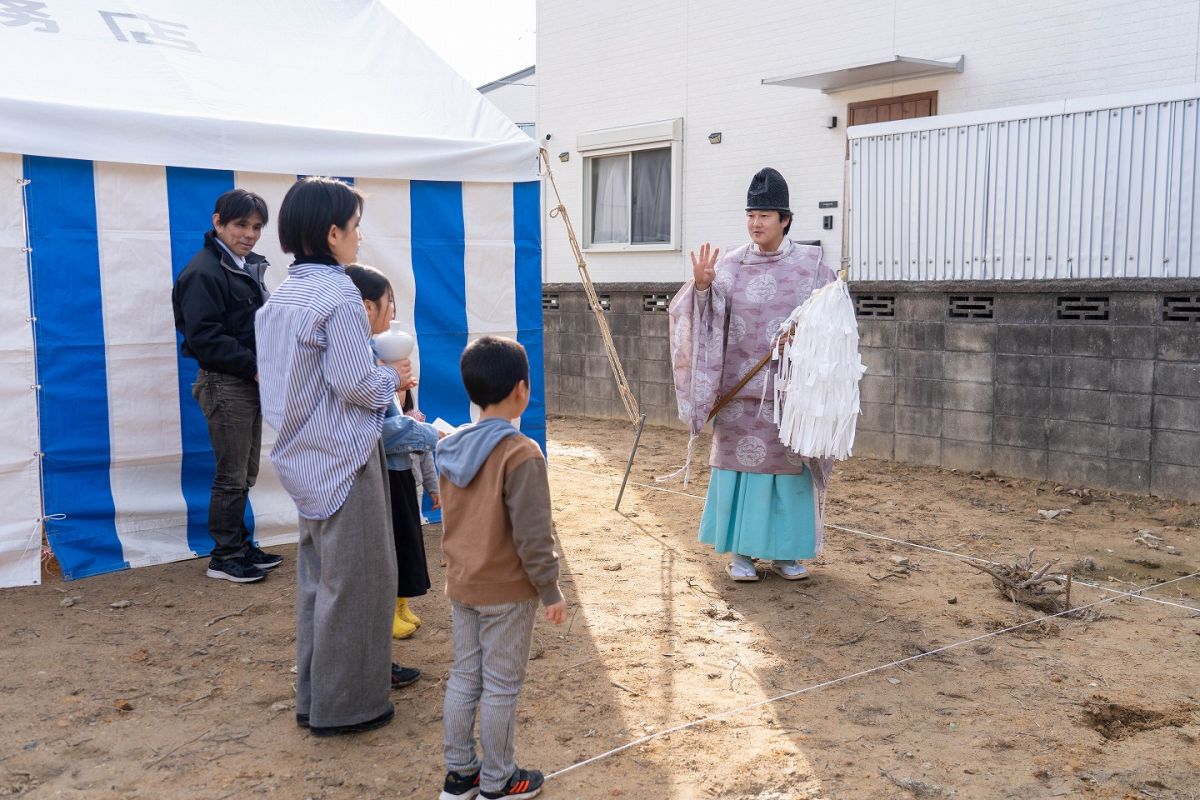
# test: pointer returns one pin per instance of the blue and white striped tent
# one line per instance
(104, 446)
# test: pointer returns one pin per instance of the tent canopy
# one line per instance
(163, 82)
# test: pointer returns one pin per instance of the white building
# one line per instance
(1014, 186)
(654, 81)
(516, 97)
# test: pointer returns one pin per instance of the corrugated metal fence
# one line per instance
(1081, 189)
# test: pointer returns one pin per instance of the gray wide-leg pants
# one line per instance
(345, 598)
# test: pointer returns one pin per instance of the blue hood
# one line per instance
(462, 453)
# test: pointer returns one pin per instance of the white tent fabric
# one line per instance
(20, 501)
(119, 126)
(269, 86)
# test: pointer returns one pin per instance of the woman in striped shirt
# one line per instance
(325, 397)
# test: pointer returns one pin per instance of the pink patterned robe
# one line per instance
(719, 334)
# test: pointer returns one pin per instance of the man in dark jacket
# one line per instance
(215, 300)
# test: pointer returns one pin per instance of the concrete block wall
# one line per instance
(579, 380)
(1112, 403)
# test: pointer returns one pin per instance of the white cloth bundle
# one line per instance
(816, 381)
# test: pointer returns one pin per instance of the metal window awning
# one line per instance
(870, 73)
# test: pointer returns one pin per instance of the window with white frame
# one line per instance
(631, 187)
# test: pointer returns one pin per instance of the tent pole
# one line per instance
(629, 464)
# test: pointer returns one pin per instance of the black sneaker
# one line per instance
(404, 676)
(263, 561)
(459, 786)
(302, 720)
(238, 570)
(358, 727)
(522, 783)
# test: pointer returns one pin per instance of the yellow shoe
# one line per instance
(402, 628)
(404, 612)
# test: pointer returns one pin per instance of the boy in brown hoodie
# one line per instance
(498, 540)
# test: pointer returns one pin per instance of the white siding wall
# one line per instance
(518, 100)
(603, 66)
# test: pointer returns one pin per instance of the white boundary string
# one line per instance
(842, 679)
(1135, 594)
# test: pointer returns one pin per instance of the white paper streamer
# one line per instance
(816, 381)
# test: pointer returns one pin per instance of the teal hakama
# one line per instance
(762, 515)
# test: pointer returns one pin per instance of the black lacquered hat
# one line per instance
(768, 192)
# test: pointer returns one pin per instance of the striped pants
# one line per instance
(491, 653)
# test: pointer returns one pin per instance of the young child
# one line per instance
(498, 541)
(424, 469)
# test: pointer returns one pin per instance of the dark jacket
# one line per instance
(215, 302)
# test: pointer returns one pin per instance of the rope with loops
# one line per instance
(610, 349)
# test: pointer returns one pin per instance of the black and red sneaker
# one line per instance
(522, 783)
(460, 786)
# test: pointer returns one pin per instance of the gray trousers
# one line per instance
(491, 653)
(345, 598)
(230, 405)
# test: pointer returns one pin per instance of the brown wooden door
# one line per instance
(887, 109)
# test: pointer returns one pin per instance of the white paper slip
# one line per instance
(443, 426)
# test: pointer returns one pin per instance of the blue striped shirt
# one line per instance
(321, 390)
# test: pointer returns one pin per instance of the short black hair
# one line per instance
(491, 367)
(239, 204)
(372, 284)
(309, 208)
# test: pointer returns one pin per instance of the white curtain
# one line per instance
(610, 199)
(652, 196)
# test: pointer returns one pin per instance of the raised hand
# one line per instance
(704, 266)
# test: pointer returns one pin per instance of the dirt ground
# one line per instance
(183, 688)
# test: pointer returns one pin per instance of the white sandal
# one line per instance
(790, 572)
(752, 578)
